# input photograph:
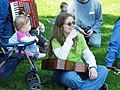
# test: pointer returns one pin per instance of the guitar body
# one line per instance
(58, 64)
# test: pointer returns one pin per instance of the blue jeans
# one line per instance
(74, 81)
(95, 40)
(32, 48)
(118, 55)
(6, 22)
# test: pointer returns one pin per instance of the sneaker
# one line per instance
(104, 87)
(67, 88)
(41, 55)
(118, 65)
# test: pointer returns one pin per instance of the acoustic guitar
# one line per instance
(59, 64)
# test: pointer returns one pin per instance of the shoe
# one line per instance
(104, 87)
(41, 55)
(118, 65)
(67, 88)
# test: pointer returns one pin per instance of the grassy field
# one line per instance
(49, 9)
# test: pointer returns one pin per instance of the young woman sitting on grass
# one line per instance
(68, 44)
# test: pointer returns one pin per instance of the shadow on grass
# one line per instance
(106, 30)
(48, 25)
(16, 81)
(109, 19)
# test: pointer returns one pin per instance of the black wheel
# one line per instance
(35, 86)
(30, 76)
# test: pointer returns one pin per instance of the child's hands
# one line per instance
(47, 44)
(36, 38)
(73, 34)
(93, 73)
(41, 27)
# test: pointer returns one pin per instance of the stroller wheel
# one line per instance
(35, 86)
(30, 76)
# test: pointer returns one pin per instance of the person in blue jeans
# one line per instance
(6, 22)
(68, 44)
(114, 46)
(88, 16)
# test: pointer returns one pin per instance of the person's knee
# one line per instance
(95, 43)
(95, 40)
(72, 81)
(103, 71)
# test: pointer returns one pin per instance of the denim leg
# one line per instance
(96, 83)
(118, 55)
(73, 80)
(69, 78)
(32, 48)
(95, 40)
(57, 77)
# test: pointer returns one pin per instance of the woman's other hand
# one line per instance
(93, 73)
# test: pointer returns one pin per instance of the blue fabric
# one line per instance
(6, 23)
(8, 68)
(118, 55)
(95, 40)
(88, 14)
(74, 81)
(114, 46)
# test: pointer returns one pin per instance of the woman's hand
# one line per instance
(73, 34)
(93, 73)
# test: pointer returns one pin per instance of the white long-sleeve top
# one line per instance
(66, 51)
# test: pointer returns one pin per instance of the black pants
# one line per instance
(42, 40)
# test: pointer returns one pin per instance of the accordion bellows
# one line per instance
(27, 6)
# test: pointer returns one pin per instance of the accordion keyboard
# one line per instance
(26, 6)
(15, 9)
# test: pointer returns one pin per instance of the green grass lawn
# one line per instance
(49, 9)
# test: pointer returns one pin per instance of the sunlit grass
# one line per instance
(50, 9)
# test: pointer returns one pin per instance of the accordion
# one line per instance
(27, 6)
